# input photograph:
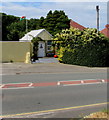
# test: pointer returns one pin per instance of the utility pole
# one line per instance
(97, 9)
(26, 25)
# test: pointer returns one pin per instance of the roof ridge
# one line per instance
(37, 30)
(34, 33)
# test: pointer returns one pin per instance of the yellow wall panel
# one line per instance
(16, 51)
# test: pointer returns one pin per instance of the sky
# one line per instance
(83, 12)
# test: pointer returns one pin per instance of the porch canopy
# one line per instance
(42, 33)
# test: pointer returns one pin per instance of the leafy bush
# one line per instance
(87, 48)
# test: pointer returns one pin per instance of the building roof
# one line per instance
(76, 25)
(42, 33)
(105, 31)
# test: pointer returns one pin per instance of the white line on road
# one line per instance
(79, 80)
(1, 85)
(30, 84)
(45, 113)
(16, 88)
(17, 83)
(103, 81)
(82, 81)
(58, 83)
(83, 84)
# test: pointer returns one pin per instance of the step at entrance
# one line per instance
(46, 60)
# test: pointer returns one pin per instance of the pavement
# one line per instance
(47, 60)
(46, 65)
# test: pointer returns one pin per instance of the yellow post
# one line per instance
(27, 57)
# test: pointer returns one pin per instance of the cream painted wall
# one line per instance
(45, 35)
(16, 51)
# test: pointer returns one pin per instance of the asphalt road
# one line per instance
(52, 77)
(46, 98)
(28, 100)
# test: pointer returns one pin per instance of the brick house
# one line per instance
(74, 24)
(105, 31)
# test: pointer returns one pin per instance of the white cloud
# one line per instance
(19, 10)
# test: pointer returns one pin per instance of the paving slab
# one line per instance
(47, 65)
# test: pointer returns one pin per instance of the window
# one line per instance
(49, 48)
(49, 42)
(49, 45)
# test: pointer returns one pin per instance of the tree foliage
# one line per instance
(13, 29)
(56, 21)
(6, 21)
(88, 47)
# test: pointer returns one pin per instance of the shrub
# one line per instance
(87, 48)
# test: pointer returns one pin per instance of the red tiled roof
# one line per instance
(105, 31)
(76, 25)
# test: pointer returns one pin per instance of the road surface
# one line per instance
(32, 100)
(43, 98)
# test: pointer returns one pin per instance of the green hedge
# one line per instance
(87, 56)
(87, 48)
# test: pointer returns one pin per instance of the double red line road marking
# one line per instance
(62, 83)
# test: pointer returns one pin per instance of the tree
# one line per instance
(16, 30)
(56, 21)
(6, 21)
(40, 23)
(33, 24)
(13, 35)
